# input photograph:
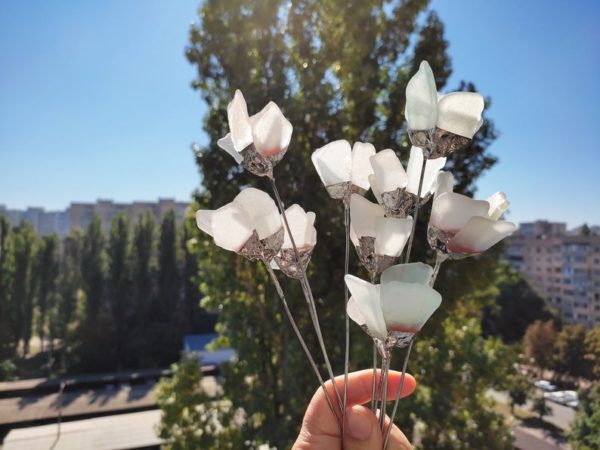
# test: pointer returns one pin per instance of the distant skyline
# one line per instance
(95, 101)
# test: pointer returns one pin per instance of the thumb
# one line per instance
(362, 430)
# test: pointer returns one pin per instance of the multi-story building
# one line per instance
(79, 215)
(564, 268)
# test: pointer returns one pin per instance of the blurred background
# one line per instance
(121, 326)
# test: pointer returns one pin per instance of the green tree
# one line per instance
(7, 268)
(196, 319)
(191, 419)
(94, 352)
(337, 69)
(46, 272)
(592, 350)
(570, 350)
(538, 343)
(166, 310)
(119, 284)
(144, 288)
(516, 307)
(24, 283)
(585, 431)
(518, 393)
(70, 285)
(540, 407)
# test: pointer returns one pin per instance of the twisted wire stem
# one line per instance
(374, 382)
(347, 319)
(398, 395)
(416, 216)
(307, 292)
(292, 321)
(385, 369)
(407, 260)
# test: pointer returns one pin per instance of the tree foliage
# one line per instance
(112, 301)
(539, 341)
(585, 432)
(570, 351)
(337, 69)
(190, 418)
(516, 307)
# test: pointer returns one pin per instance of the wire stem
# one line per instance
(416, 215)
(398, 395)
(292, 321)
(347, 319)
(385, 369)
(307, 292)
(374, 384)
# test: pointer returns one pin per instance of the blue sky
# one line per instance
(95, 100)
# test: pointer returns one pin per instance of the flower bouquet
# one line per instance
(394, 305)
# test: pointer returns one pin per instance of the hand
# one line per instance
(320, 430)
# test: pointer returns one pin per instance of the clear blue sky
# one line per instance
(95, 100)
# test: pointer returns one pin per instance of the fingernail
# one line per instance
(359, 427)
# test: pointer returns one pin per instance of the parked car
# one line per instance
(545, 385)
(567, 398)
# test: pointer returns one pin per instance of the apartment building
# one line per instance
(79, 215)
(563, 267)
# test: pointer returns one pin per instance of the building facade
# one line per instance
(79, 215)
(562, 266)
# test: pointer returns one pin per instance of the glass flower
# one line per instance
(395, 188)
(422, 99)
(343, 170)
(304, 235)
(440, 124)
(378, 240)
(256, 142)
(459, 118)
(460, 226)
(250, 225)
(393, 311)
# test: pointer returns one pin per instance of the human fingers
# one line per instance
(320, 424)
(362, 429)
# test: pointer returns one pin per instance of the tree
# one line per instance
(187, 420)
(144, 281)
(592, 352)
(585, 431)
(46, 272)
(519, 391)
(166, 309)
(540, 407)
(119, 284)
(23, 283)
(570, 350)
(7, 267)
(70, 285)
(517, 307)
(337, 69)
(539, 343)
(94, 352)
(196, 319)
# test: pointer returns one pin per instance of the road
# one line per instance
(560, 416)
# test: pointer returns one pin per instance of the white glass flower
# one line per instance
(343, 170)
(422, 99)
(460, 226)
(396, 309)
(395, 188)
(257, 142)
(460, 113)
(304, 235)
(378, 240)
(250, 225)
(440, 124)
